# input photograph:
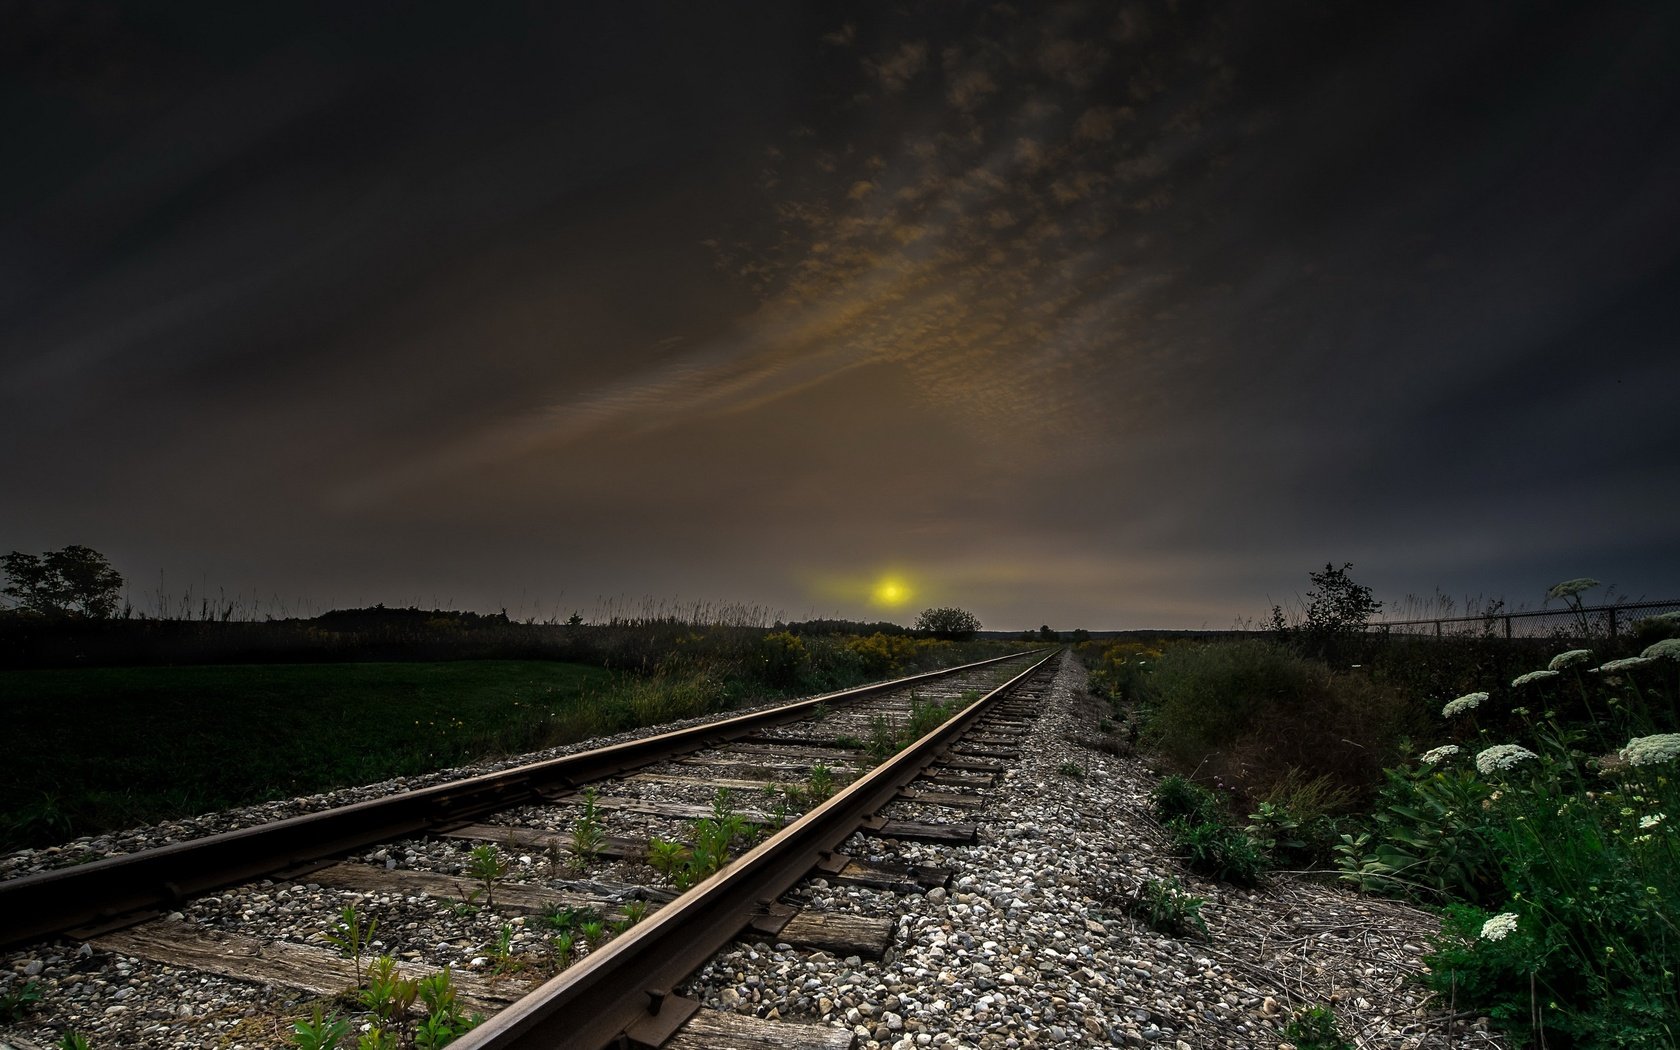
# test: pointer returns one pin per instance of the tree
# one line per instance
(1336, 611)
(955, 624)
(75, 581)
(1046, 633)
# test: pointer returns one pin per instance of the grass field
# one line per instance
(103, 748)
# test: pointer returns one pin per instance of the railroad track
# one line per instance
(532, 849)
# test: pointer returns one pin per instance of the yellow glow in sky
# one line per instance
(890, 592)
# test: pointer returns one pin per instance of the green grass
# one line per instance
(102, 748)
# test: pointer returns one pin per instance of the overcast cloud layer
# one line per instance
(1113, 315)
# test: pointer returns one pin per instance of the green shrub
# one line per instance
(1176, 797)
(1427, 838)
(1163, 906)
(1315, 1029)
(1218, 850)
(1254, 714)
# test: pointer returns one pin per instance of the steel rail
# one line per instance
(116, 891)
(615, 997)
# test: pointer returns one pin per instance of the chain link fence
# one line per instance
(1588, 623)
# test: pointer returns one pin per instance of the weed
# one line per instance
(670, 859)
(850, 743)
(19, 1000)
(594, 933)
(485, 866)
(351, 938)
(819, 783)
(883, 739)
(1071, 769)
(377, 1038)
(588, 835)
(1176, 797)
(563, 946)
(317, 1033)
(1315, 1029)
(387, 994)
(1162, 905)
(1217, 850)
(501, 952)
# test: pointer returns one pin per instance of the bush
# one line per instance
(783, 659)
(1218, 850)
(1176, 797)
(948, 623)
(1254, 714)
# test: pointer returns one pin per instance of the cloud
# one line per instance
(895, 70)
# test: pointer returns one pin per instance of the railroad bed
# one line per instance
(1018, 938)
(559, 849)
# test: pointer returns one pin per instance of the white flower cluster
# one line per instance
(1467, 702)
(1569, 659)
(1668, 648)
(1501, 757)
(1532, 676)
(1626, 664)
(1500, 926)
(1649, 750)
(1445, 751)
(1570, 588)
(1647, 823)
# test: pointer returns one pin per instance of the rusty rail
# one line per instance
(621, 995)
(119, 891)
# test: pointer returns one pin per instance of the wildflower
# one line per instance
(1467, 702)
(1569, 659)
(1649, 750)
(1627, 664)
(1667, 648)
(1500, 926)
(1532, 676)
(1429, 758)
(1647, 823)
(1570, 588)
(1501, 757)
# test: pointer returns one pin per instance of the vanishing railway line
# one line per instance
(565, 838)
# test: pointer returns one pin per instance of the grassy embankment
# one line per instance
(1526, 789)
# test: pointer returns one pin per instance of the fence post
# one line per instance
(1507, 628)
(1612, 623)
(1437, 628)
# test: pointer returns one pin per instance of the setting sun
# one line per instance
(890, 592)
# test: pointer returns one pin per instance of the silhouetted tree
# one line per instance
(1336, 611)
(75, 581)
(955, 624)
(1046, 634)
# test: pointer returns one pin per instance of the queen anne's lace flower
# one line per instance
(1532, 676)
(1467, 702)
(1501, 757)
(1647, 823)
(1570, 588)
(1626, 664)
(1569, 659)
(1500, 926)
(1668, 648)
(1649, 750)
(1443, 752)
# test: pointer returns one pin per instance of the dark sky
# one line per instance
(1113, 315)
